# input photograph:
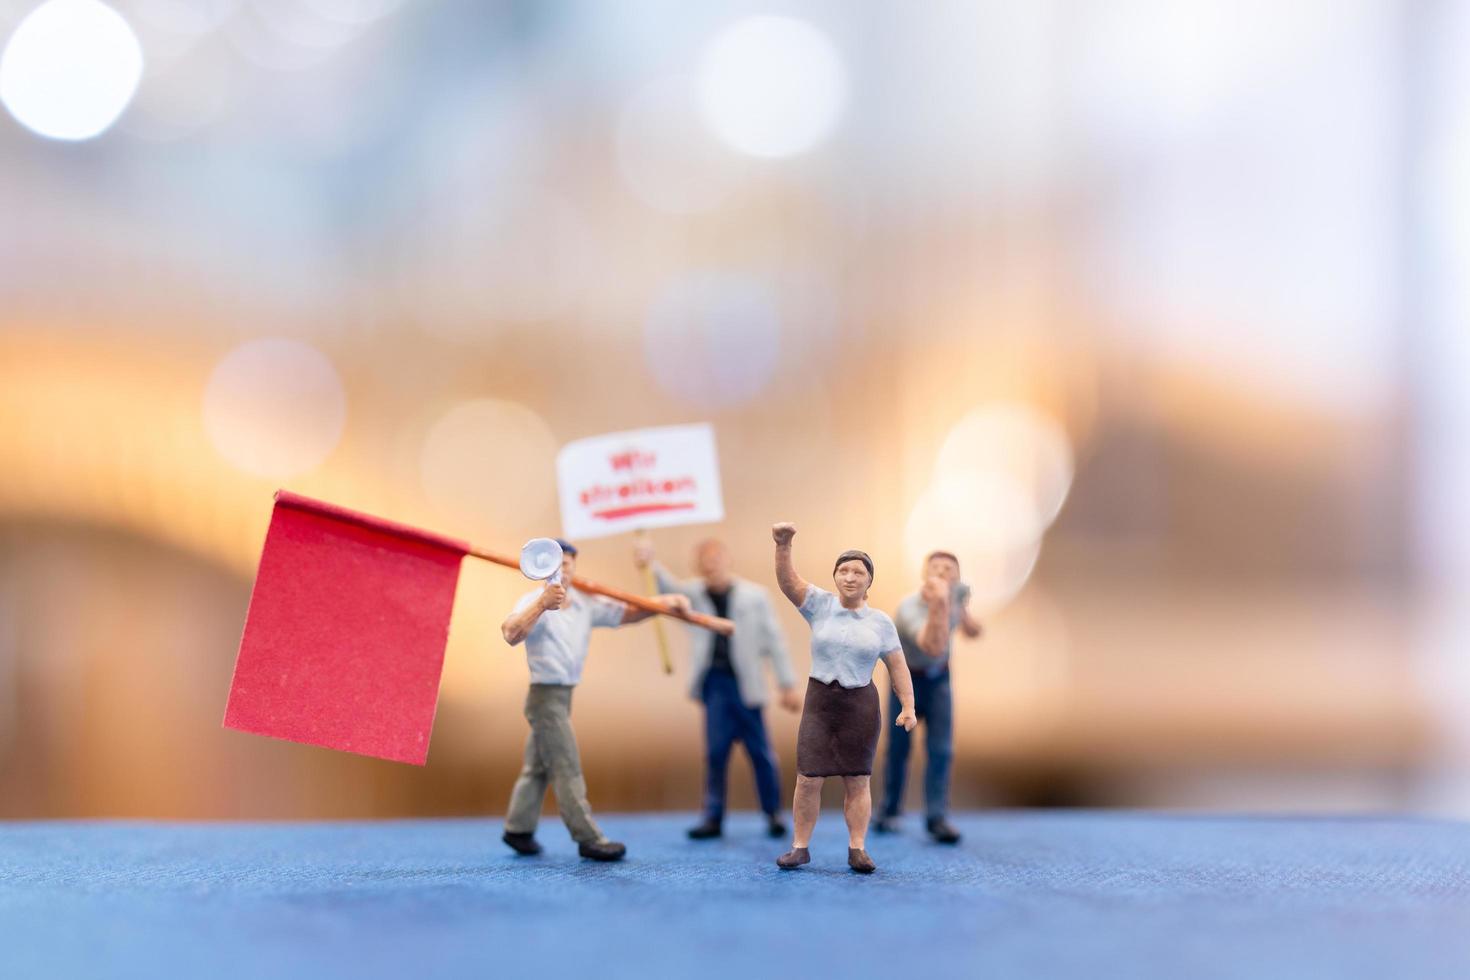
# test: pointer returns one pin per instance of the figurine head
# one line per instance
(942, 564)
(853, 575)
(568, 560)
(712, 561)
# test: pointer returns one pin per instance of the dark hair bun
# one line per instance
(854, 555)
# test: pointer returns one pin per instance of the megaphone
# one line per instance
(541, 560)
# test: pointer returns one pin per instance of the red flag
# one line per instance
(344, 640)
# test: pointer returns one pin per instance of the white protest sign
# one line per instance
(627, 481)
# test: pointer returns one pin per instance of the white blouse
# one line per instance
(846, 643)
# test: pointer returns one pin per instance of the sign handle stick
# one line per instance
(651, 584)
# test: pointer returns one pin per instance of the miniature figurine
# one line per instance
(841, 717)
(727, 677)
(555, 622)
(926, 623)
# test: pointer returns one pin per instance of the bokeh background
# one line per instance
(1154, 311)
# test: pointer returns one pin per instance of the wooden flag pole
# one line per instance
(651, 584)
(719, 625)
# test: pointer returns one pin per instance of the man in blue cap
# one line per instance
(555, 622)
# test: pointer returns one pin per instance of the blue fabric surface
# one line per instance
(1062, 894)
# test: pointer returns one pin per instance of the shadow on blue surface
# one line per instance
(1061, 894)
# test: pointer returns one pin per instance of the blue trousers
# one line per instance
(935, 707)
(726, 719)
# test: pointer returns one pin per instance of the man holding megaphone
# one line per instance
(555, 622)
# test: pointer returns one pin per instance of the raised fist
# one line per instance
(783, 532)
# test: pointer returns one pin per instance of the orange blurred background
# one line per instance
(1154, 312)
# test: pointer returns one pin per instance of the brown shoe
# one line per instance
(524, 844)
(858, 860)
(793, 858)
(602, 850)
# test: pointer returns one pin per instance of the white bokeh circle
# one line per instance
(1014, 440)
(989, 522)
(274, 408)
(488, 463)
(70, 69)
(771, 86)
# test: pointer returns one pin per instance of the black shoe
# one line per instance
(706, 829)
(793, 858)
(774, 827)
(522, 843)
(943, 831)
(886, 825)
(602, 850)
(858, 860)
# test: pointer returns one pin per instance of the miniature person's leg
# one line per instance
(896, 762)
(559, 754)
(805, 807)
(720, 729)
(762, 757)
(526, 798)
(938, 748)
(857, 806)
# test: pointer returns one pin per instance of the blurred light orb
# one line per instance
(70, 69)
(771, 86)
(666, 156)
(274, 408)
(989, 522)
(487, 463)
(713, 339)
(1013, 440)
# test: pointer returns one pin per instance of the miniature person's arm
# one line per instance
(517, 625)
(903, 688)
(969, 625)
(774, 648)
(688, 588)
(934, 636)
(643, 557)
(672, 600)
(793, 586)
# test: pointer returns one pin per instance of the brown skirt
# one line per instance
(839, 730)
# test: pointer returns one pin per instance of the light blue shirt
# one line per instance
(913, 613)
(556, 647)
(846, 643)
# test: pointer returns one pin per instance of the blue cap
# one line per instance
(567, 546)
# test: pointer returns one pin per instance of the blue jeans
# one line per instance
(935, 708)
(727, 718)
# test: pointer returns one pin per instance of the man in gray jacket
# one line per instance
(729, 679)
